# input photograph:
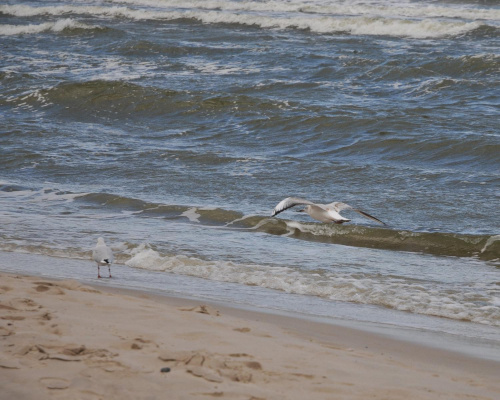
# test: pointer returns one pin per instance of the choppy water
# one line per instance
(173, 128)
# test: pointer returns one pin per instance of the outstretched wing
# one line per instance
(338, 206)
(289, 202)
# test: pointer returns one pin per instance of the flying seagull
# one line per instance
(321, 212)
(102, 255)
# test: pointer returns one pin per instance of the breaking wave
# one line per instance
(485, 247)
(412, 22)
(57, 26)
(416, 297)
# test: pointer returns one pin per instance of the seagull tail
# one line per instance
(106, 261)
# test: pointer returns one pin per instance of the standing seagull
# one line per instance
(102, 255)
(321, 212)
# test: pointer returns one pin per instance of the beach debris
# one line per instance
(165, 369)
(203, 309)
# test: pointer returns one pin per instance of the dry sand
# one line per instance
(64, 340)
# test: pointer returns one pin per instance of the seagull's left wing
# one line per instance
(339, 206)
(289, 202)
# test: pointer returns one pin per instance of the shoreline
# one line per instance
(65, 338)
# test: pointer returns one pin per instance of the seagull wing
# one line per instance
(289, 202)
(339, 206)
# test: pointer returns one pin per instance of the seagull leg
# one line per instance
(109, 270)
(98, 271)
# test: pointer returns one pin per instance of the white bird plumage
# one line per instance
(102, 255)
(321, 212)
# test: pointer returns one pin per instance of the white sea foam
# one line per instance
(471, 303)
(57, 26)
(489, 242)
(273, 15)
(387, 8)
(42, 195)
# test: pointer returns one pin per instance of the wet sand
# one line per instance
(64, 339)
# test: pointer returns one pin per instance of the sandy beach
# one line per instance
(63, 339)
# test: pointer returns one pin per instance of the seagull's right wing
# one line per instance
(338, 206)
(289, 202)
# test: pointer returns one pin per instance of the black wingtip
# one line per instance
(370, 216)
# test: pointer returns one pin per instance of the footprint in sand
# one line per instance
(13, 317)
(48, 287)
(139, 343)
(54, 383)
(5, 331)
(24, 304)
(42, 288)
(71, 285)
(46, 316)
(9, 363)
(213, 367)
(205, 373)
(5, 289)
(243, 330)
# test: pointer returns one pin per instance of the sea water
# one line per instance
(172, 129)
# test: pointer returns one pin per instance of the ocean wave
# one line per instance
(485, 247)
(332, 7)
(57, 26)
(365, 23)
(483, 65)
(468, 302)
(436, 243)
(472, 304)
(122, 98)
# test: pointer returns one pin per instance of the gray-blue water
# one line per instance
(172, 129)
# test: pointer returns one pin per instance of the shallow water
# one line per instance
(173, 132)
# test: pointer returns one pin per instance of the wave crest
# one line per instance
(356, 21)
(57, 26)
